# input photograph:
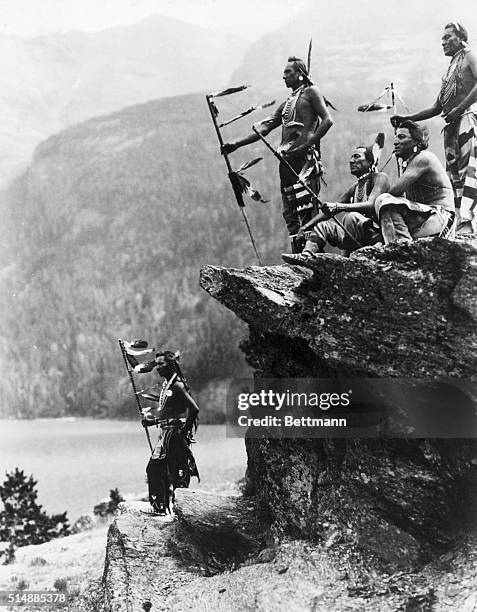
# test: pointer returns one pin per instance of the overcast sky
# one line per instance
(249, 18)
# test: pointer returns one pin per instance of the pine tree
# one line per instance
(22, 520)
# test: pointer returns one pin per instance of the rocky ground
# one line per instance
(162, 564)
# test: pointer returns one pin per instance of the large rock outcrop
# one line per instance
(205, 558)
(149, 558)
(330, 524)
(405, 311)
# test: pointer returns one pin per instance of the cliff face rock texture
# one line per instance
(406, 311)
(328, 524)
(401, 311)
(186, 562)
(149, 558)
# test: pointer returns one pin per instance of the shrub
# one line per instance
(22, 585)
(22, 520)
(61, 584)
(110, 506)
(38, 561)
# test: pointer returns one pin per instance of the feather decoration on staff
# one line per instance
(378, 106)
(377, 148)
(368, 108)
(393, 98)
(240, 182)
(237, 181)
(245, 183)
(249, 164)
(213, 109)
(228, 92)
(247, 112)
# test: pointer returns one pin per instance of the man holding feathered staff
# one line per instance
(305, 120)
(171, 464)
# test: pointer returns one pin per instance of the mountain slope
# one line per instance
(358, 49)
(105, 234)
(53, 81)
(107, 231)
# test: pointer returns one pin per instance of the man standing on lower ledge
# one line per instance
(172, 464)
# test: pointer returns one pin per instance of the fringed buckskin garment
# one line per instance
(172, 463)
(171, 466)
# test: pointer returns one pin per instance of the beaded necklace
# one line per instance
(452, 78)
(289, 110)
(362, 189)
(165, 391)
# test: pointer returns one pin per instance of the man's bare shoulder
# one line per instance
(425, 159)
(470, 59)
(381, 181)
(312, 91)
(470, 55)
(427, 156)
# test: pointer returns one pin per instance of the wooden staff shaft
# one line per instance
(236, 190)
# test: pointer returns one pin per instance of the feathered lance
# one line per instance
(302, 182)
(394, 96)
(394, 106)
(133, 384)
(247, 112)
(231, 174)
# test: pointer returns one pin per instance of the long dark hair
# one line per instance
(172, 359)
(418, 133)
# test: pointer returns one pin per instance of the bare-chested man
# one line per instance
(420, 203)
(171, 464)
(357, 203)
(305, 119)
(457, 101)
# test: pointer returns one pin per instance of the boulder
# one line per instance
(405, 311)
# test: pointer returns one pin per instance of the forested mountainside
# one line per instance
(359, 48)
(51, 82)
(106, 231)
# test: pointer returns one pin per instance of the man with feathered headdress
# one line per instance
(457, 101)
(305, 119)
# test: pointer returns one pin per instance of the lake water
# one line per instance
(76, 462)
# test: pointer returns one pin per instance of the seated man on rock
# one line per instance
(420, 203)
(359, 221)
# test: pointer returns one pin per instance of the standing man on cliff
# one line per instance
(457, 103)
(305, 119)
